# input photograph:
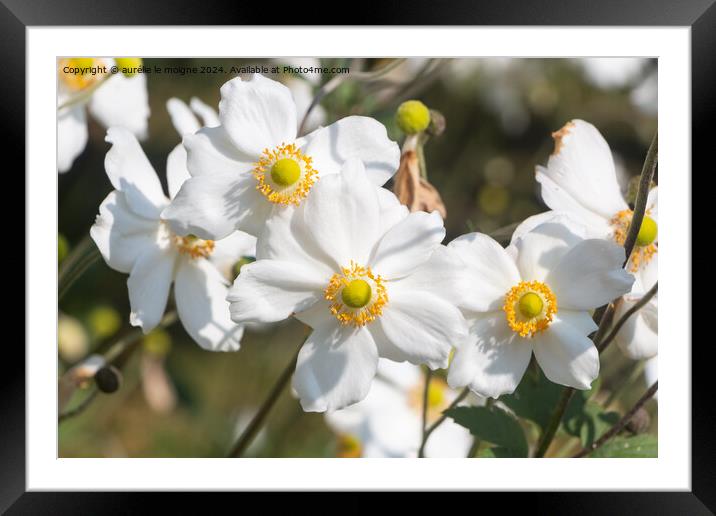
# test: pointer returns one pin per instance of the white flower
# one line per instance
(580, 181)
(369, 278)
(118, 101)
(387, 423)
(254, 164)
(534, 296)
(133, 239)
(611, 72)
(651, 373)
(188, 120)
(639, 337)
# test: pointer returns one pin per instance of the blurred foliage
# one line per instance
(499, 114)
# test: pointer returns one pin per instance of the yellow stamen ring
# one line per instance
(194, 246)
(529, 307)
(645, 248)
(285, 175)
(356, 295)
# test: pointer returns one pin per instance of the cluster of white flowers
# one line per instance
(337, 251)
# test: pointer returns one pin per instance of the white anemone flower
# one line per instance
(371, 280)
(117, 101)
(580, 181)
(651, 373)
(254, 164)
(133, 239)
(188, 119)
(387, 423)
(534, 297)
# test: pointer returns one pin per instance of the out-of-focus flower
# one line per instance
(580, 181)
(369, 278)
(611, 72)
(72, 338)
(104, 321)
(253, 165)
(534, 297)
(133, 239)
(645, 95)
(86, 84)
(387, 423)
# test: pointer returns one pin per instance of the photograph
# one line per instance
(357, 257)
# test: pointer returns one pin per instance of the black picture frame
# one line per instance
(699, 15)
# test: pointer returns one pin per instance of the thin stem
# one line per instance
(476, 442)
(113, 353)
(336, 81)
(80, 259)
(249, 433)
(426, 397)
(79, 408)
(621, 423)
(441, 419)
(618, 326)
(642, 195)
(554, 422)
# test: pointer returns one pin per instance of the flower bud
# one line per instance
(413, 117)
(104, 321)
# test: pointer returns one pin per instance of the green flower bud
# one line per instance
(413, 117)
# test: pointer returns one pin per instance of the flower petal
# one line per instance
(490, 272)
(590, 275)
(231, 249)
(354, 137)
(121, 235)
(71, 135)
(207, 113)
(566, 355)
(391, 211)
(130, 172)
(335, 368)
(652, 203)
(122, 101)
(408, 244)
(443, 274)
(638, 338)
(183, 119)
(200, 292)
(418, 327)
(539, 251)
(342, 213)
(213, 206)
(211, 151)
(177, 172)
(257, 114)
(148, 285)
(492, 360)
(270, 290)
(582, 171)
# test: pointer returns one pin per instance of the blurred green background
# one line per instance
(177, 400)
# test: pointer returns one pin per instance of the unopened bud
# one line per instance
(413, 117)
(437, 123)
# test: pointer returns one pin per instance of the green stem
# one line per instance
(642, 195)
(249, 433)
(433, 427)
(82, 257)
(602, 345)
(620, 424)
(79, 408)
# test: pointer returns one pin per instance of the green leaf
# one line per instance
(638, 447)
(534, 398)
(590, 423)
(495, 426)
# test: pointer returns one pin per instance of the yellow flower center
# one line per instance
(529, 308)
(285, 172)
(413, 117)
(194, 246)
(285, 175)
(349, 446)
(645, 248)
(78, 73)
(356, 295)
